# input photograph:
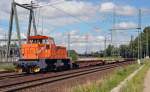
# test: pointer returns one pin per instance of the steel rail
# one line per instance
(33, 83)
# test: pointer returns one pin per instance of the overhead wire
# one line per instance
(49, 4)
(77, 18)
(42, 25)
(65, 12)
(52, 5)
(38, 19)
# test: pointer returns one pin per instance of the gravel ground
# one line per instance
(65, 85)
(147, 82)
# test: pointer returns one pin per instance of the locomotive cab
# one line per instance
(40, 40)
(40, 53)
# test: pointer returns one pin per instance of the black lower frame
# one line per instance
(45, 65)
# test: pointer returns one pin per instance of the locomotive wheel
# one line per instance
(19, 70)
(30, 70)
(36, 69)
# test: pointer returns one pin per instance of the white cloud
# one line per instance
(69, 12)
(1, 30)
(22, 35)
(44, 31)
(78, 41)
(74, 32)
(109, 7)
(54, 18)
(145, 11)
(74, 8)
(97, 30)
(24, 1)
(2, 33)
(78, 9)
(125, 25)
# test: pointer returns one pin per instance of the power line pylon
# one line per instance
(14, 15)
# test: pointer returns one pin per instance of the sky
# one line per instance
(87, 21)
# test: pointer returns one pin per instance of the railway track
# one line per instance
(11, 87)
(13, 75)
(7, 75)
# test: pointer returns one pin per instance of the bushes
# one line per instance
(7, 67)
(73, 55)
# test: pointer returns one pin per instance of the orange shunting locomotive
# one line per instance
(40, 53)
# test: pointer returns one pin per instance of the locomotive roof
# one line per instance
(39, 37)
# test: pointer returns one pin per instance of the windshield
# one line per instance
(39, 41)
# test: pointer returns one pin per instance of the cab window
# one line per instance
(36, 41)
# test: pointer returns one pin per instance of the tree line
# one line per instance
(131, 50)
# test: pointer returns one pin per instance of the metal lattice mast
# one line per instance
(139, 38)
(13, 15)
(147, 49)
(69, 36)
(112, 31)
(132, 52)
(86, 40)
(10, 29)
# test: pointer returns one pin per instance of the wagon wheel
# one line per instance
(19, 70)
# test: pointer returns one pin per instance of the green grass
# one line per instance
(136, 84)
(7, 67)
(108, 82)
